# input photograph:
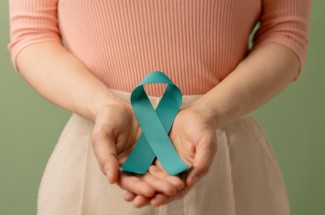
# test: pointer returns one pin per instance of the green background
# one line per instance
(294, 122)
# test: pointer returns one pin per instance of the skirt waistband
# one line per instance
(186, 99)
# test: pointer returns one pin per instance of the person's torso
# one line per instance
(197, 43)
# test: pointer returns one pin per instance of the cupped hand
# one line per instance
(115, 131)
(193, 134)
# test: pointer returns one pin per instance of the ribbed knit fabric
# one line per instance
(197, 43)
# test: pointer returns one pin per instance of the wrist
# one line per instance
(206, 110)
(100, 102)
(218, 111)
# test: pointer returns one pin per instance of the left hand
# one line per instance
(193, 134)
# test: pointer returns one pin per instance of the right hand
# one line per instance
(115, 132)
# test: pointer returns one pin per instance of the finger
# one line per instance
(123, 156)
(159, 199)
(159, 165)
(174, 180)
(158, 171)
(204, 156)
(160, 185)
(105, 151)
(140, 201)
(129, 196)
(135, 185)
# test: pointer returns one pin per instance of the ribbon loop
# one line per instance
(155, 125)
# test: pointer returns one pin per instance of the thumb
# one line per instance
(202, 160)
(105, 151)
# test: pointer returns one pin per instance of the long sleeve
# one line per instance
(31, 22)
(285, 22)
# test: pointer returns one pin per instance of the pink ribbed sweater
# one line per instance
(197, 43)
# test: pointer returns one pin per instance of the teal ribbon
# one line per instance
(155, 126)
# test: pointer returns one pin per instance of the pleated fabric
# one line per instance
(244, 178)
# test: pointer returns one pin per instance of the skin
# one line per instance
(115, 132)
(62, 79)
(241, 92)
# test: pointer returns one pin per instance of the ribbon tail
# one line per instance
(139, 164)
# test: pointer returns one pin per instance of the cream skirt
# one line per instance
(244, 178)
